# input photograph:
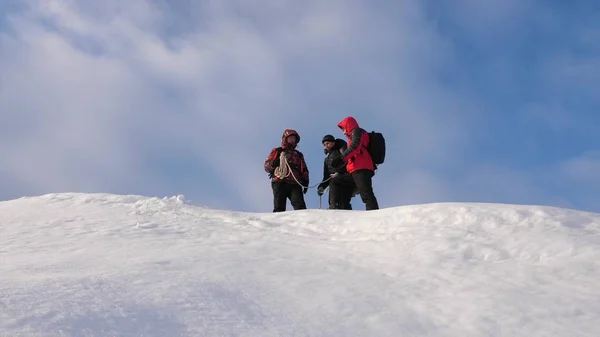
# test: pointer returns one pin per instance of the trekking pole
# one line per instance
(319, 202)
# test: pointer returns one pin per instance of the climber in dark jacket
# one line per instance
(341, 185)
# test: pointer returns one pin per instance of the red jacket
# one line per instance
(356, 155)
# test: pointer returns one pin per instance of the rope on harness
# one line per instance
(284, 170)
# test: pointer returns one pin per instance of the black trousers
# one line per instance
(283, 191)
(364, 183)
(340, 191)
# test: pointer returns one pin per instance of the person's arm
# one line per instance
(356, 137)
(326, 174)
(272, 161)
(304, 170)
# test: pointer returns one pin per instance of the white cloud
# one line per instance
(99, 92)
(70, 112)
(101, 76)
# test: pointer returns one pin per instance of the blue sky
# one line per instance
(491, 101)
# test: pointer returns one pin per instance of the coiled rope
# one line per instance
(284, 170)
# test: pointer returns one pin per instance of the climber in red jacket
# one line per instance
(358, 160)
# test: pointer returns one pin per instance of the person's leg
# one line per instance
(348, 186)
(330, 198)
(364, 183)
(279, 196)
(335, 194)
(296, 196)
(347, 196)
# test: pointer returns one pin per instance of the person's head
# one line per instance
(328, 142)
(290, 138)
(347, 125)
(344, 132)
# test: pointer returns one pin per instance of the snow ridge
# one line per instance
(113, 265)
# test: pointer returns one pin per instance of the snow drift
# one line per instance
(111, 265)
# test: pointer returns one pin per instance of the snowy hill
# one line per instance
(110, 265)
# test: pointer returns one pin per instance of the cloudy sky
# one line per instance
(484, 101)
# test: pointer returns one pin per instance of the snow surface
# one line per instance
(111, 265)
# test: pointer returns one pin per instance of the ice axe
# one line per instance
(326, 188)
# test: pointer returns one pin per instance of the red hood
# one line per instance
(348, 124)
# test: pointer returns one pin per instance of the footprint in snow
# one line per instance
(146, 225)
(261, 224)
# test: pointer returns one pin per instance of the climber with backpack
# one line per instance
(288, 172)
(365, 150)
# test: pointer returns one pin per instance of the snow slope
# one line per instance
(110, 265)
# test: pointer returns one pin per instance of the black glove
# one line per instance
(275, 162)
(320, 191)
(305, 190)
